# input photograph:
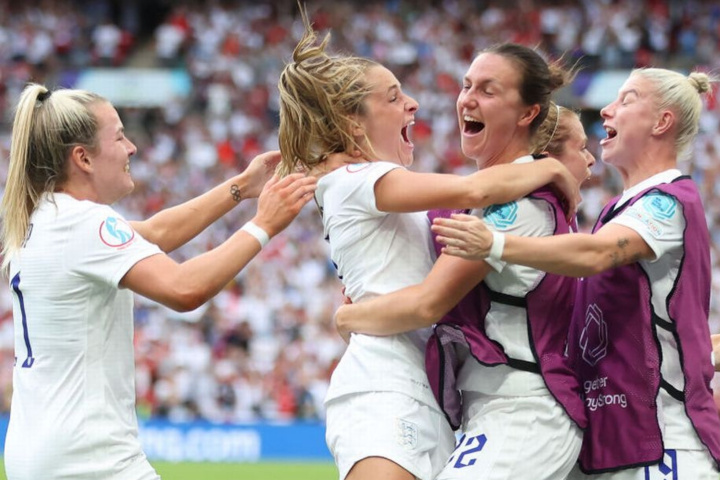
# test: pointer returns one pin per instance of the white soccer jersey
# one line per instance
(664, 235)
(507, 324)
(375, 253)
(73, 404)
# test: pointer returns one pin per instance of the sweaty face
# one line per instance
(628, 121)
(575, 155)
(111, 160)
(388, 116)
(490, 109)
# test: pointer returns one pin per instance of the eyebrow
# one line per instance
(482, 83)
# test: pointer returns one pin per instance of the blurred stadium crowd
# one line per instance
(265, 347)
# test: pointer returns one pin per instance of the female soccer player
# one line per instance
(74, 263)
(639, 338)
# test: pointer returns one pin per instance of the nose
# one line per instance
(605, 112)
(132, 149)
(590, 159)
(412, 105)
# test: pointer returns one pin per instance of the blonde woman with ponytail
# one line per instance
(73, 263)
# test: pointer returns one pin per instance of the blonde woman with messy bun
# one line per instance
(639, 338)
(382, 418)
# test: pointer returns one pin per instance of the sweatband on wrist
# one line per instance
(497, 247)
(258, 233)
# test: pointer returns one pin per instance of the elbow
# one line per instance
(477, 196)
(429, 311)
(591, 265)
(480, 199)
(186, 301)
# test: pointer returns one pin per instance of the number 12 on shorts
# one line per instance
(463, 456)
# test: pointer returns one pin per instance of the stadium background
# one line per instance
(243, 379)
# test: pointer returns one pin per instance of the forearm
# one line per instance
(390, 314)
(202, 277)
(505, 183)
(175, 226)
(573, 255)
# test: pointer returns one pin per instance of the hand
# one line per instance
(716, 350)
(567, 187)
(339, 324)
(464, 236)
(346, 299)
(259, 171)
(281, 200)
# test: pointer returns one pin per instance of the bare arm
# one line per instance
(175, 226)
(413, 307)
(188, 285)
(404, 191)
(575, 255)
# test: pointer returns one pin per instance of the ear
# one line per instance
(664, 123)
(80, 159)
(529, 115)
(357, 129)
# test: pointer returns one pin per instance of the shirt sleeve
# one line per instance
(105, 246)
(658, 219)
(527, 217)
(365, 192)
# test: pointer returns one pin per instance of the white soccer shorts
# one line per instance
(518, 438)
(390, 425)
(676, 465)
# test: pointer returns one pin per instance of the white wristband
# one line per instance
(258, 233)
(496, 250)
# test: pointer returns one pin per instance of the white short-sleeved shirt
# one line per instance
(73, 404)
(507, 324)
(376, 253)
(658, 218)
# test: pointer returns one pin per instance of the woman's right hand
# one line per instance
(464, 236)
(566, 185)
(259, 171)
(281, 200)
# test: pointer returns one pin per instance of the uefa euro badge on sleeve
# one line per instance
(501, 216)
(116, 232)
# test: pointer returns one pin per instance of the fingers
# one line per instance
(457, 252)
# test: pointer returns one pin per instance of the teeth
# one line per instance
(468, 118)
(127, 168)
(610, 131)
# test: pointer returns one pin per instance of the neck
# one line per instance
(651, 162)
(77, 193)
(508, 155)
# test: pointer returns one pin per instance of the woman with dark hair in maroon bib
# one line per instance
(639, 337)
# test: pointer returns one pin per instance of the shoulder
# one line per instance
(658, 205)
(353, 176)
